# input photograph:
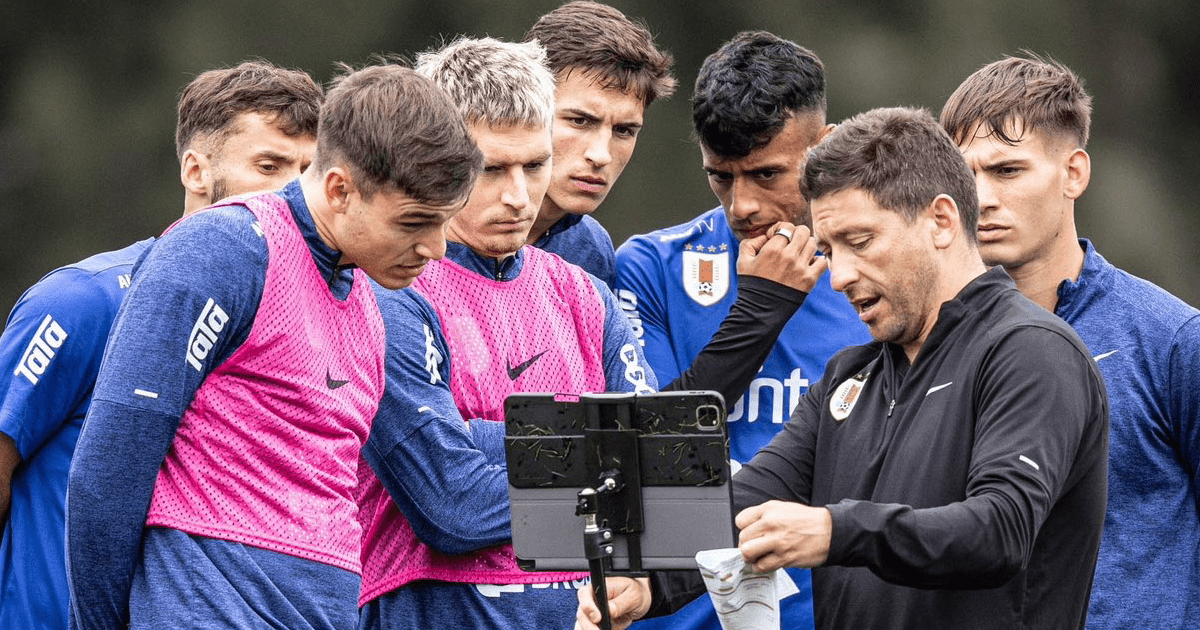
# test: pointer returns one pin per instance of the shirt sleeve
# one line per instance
(624, 364)
(452, 490)
(51, 348)
(209, 270)
(1184, 392)
(639, 288)
(1040, 406)
(730, 361)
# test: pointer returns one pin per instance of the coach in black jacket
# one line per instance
(958, 464)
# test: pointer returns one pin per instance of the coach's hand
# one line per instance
(628, 601)
(786, 254)
(780, 534)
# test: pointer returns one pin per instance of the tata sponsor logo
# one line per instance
(753, 405)
(634, 372)
(433, 358)
(629, 305)
(211, 322)
(41, 350)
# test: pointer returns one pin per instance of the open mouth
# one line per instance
(865, 307)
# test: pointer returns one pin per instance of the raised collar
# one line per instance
(502, 269)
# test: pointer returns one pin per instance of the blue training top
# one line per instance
(1146, 343)
(51, 348)
(450, 481)
(216, 255)
(581, 240)
(676, 285)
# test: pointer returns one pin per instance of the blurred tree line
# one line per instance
(88, 93)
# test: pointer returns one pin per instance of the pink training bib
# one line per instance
(542, 331)
(267, 453)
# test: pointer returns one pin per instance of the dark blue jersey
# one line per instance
(150, 372)
(1146, 343)
(581, 240)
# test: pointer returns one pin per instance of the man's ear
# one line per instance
(824, 132)
(1079, 173)
(945, 221)
(195, 172)
(338, 187)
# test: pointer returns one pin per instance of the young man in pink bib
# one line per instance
(214, 481)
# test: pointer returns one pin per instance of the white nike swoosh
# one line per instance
(937, 387)
(1104, 356)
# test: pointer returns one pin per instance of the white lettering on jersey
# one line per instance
(257, 227)
(695, 228)
(634, 372)
(794, 386)
(41, 350)
(211, 322)
(124, 280)
(628, 302)
(496, 590)
(433, 358)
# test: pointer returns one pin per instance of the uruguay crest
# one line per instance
(706, 276)
(846, 396)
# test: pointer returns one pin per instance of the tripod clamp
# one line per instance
(597, 540)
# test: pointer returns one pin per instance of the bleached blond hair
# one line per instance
(493, 82)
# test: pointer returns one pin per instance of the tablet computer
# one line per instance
(677, 448)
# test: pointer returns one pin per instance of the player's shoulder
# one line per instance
(403, 306)
(233, 216)
(595, 230)
(672, 239)
(91, 283)
(119, 260)
(1122, 297)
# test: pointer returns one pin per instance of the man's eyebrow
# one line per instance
(579, 113)
(273, 155)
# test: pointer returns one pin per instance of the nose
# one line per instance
(988, 199)
(842, 272)
(432, 244)
(516, 189)
(597, 152)
(743, 202)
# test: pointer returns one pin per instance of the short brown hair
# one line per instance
(393, 127)
(899, 156)
(598, 39)
(214, 99)
(1037, 93)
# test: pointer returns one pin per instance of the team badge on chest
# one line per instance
(846, 396)
(706, 276)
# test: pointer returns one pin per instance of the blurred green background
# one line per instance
(88, 93)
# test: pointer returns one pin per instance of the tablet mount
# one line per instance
(615, 505)
(622, 449)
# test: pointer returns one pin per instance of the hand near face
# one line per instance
(789, 262)
(780, 534)
(628, 601)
